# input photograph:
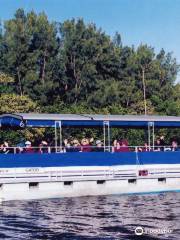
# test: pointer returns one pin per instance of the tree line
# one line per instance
(73, 67)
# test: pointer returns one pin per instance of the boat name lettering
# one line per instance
(32, 169)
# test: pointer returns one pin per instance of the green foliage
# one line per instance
(4, 78)
(11, 103)
(6, 83)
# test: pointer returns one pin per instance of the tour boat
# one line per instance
(58, 174)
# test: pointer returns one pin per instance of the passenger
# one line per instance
(85, 145)
(117, 146)
(157, 147)
(76, 146)
(5, 148)
(20, 147)
(43, 147)
(162, 142)
(40, 148)
(99, 146)
(120, 146)
(175, 146)
(145, 148)
(125, 142)
(28, 148)
(124, 146)
(67, 145)
(114, 145)
(91, 141)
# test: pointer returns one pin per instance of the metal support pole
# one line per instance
(109, 138)
(56, 136)
(104, 133)
(153, 135)
(106, 144)
(60, 135)
(149, 135)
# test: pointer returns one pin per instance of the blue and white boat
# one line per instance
(58, 174)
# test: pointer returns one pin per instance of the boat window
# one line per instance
(162, 180)
(33, 184)
(68, 183)
(101, 181)
(132, 181)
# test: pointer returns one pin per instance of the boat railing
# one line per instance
(66, 149)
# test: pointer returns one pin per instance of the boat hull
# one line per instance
(45, 190)
(42, 176)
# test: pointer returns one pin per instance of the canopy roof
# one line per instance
(86, 120)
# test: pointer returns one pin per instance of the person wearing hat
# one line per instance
(99, 146)
(28, 148)
(43, 147)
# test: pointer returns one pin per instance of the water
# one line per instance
(100, 217)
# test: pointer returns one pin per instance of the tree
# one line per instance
(88, 56)
(30, 46)
(12, 103)
(66, 64)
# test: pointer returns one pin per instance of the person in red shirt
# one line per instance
(85, 145)
(120, 146)
(28, 148)
(124, 146)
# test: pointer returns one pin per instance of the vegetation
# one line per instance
(73, 67)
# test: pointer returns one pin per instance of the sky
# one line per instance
(152, 22)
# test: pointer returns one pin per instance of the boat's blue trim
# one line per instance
(87, 159)
(13, 120)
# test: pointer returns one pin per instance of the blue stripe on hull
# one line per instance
(87, 159)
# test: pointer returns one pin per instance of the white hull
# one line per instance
(42, 183)
(21, 191)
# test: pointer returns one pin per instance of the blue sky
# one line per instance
(155, 22)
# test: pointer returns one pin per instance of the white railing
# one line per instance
(64, 149)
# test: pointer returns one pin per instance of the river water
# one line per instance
(99, 217)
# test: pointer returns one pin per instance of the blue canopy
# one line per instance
(87, 120)
(12, 121)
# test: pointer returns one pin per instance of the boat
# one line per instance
(59, 174)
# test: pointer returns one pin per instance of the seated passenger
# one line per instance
(117, 146)
(76, 147)
(67, 146)
(157, 147)
(114, 145)
(85, 145)
(43, 147)
(28, 148)
(175, 146)
(99, 146)
(124, 146)
(4, 148)
(145, 148)
(20, 147)
(121, 146)
(162, 142)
